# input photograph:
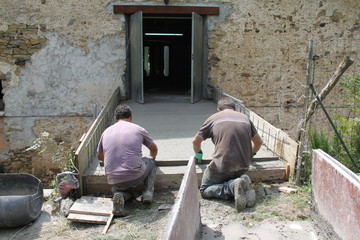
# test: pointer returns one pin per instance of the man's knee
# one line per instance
(206, 195)
(211, 191)
(150, 163)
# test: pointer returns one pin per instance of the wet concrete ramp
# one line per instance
(172, 125)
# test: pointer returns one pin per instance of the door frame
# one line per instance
(197, 64)
(136, 46)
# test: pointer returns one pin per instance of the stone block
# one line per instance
(35, 41)
(30, 31)
(16, 165)
(16, 42)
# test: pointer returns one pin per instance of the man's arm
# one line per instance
(153, 150)
(256, 143)
(197, 143)
(101, 156)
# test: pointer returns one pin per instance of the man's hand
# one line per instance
(198, 156)
(101, 158)
(197, 148)
(256, 142)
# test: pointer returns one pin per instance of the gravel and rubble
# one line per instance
(277, 215)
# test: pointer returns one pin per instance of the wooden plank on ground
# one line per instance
(86, 218)
(92, 206)
(108, 224)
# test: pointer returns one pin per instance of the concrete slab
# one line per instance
(173, 124)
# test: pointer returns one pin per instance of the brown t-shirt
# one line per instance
(231, 132)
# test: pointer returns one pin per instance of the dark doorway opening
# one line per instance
(167, 57)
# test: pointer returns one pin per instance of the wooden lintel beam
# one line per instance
(130, 9)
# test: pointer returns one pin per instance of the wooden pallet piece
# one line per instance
(89, 209)
(92, 206)
(87, 218)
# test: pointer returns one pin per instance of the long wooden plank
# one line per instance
(206, 161)
(185, 220)
(108, 224)
(86, 218)
(130, 9)
(171, 176)
(267, 175)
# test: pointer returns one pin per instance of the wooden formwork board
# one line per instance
(171, 176)
(91, 210)
(185, 219)
(277, 141)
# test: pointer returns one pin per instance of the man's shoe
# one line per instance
(239, 194)
(118, 204)
(249, 191)
(147, 197)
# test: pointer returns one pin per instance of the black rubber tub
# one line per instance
(21, 199)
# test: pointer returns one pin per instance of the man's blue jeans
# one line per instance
(218, 185)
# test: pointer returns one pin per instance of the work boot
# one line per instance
(118, 204)
(239, 194)
(149, 183)
(249, 191)
(147, 197)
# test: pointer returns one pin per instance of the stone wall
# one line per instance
(61, 60)
(19, 42)
(259, 54)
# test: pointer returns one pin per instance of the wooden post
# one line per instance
(302, 131)
(344, 65)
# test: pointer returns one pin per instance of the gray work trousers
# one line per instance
(148, 178)
(218, 185)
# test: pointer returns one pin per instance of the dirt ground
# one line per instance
(276, 215)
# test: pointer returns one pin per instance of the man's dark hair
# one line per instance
(226, 103)
(122, 112)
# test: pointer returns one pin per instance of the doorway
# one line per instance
(165, 57)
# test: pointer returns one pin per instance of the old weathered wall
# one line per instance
(74, 58)
(60, 58)
(259, 54)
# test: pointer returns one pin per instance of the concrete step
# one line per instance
(170, 174)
